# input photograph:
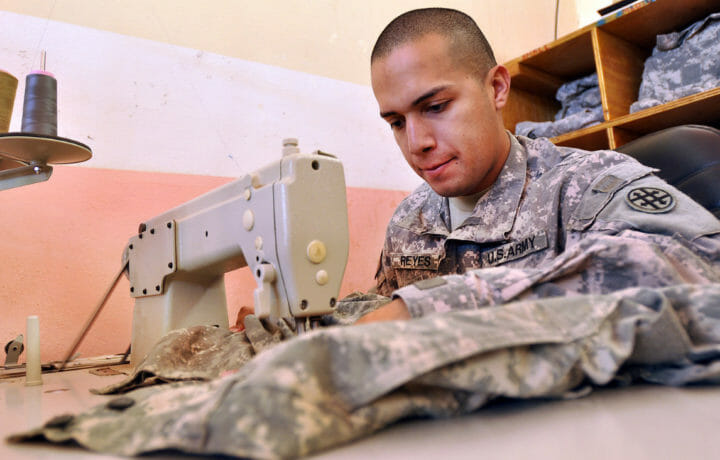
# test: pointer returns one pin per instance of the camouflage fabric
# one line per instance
(201, 353)
(581, 106)
(577, 95)
(205, 353)
(334, 385)
(549, 205)
(681, 64)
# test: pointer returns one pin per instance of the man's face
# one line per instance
(445, 119)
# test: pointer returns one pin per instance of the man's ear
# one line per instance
(499, 80)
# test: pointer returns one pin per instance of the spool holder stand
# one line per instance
(32, 154)
(24, 175)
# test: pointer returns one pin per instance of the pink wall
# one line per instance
(61, 243)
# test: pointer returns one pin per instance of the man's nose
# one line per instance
(420, 138)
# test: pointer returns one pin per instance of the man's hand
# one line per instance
(263, 333)
(389, 312)
(240, 321)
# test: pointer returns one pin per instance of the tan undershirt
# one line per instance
(461, 207)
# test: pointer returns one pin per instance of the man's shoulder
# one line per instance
(420, 198)
(572, 172)
(544, 156)
(582, 181)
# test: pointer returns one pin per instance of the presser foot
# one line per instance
(308, 323)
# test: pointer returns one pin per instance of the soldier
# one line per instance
(492, 199)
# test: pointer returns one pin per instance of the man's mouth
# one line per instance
(436, 168)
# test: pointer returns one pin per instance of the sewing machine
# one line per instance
(286, 221)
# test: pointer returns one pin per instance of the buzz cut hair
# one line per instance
(468, 44)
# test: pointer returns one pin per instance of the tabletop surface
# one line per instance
(638, 422)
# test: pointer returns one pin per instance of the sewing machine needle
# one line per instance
(93, 317)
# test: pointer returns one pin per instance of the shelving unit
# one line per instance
(616, 47)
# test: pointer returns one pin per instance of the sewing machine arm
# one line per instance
(286, 221)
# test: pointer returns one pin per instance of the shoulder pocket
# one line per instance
(602, 190)
(651, 205)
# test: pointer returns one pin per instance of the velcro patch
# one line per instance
(415, 261)
(514, 250)
(607, 184)
(650, 199)
(430, 283)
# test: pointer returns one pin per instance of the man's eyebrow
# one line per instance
(429, 94)
(419, 100)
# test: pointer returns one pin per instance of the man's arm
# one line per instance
(392, 311)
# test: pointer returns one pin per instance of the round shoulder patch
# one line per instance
(650, 199)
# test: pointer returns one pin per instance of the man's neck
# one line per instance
(462, 207)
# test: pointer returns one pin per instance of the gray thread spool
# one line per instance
(40, 104)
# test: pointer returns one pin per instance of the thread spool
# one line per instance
(33, 369)
(8, 88)
(38, 142)
(40, 104)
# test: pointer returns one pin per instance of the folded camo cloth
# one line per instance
(581, 107)
(334, 385)
(682, 63)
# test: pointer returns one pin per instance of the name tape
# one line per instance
(515, 250)
(415, 261)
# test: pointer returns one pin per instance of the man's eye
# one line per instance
(438, 107)
(396, 124)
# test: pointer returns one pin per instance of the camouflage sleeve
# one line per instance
(597, 264)
(385, 279)
(657, 211)
(652, 206)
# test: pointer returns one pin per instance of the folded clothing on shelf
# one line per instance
(580, 107)
(682, 63)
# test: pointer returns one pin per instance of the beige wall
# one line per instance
(587, 10)
(332, 38)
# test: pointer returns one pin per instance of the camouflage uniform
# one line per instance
(549, 204)
(681, 64)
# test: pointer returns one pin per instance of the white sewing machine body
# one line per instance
(286, 221)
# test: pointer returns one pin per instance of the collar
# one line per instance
(494, 214)
(431, 216)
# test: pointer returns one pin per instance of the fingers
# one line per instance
(240, 320)
(263, 333)
(286, 329)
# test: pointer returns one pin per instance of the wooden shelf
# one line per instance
(590, 138)
(565, 58)
(701, 108)
(657, 17)
(696, 108)
(615, 47)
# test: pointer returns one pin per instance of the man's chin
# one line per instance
(446, 190)
(450, 190)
